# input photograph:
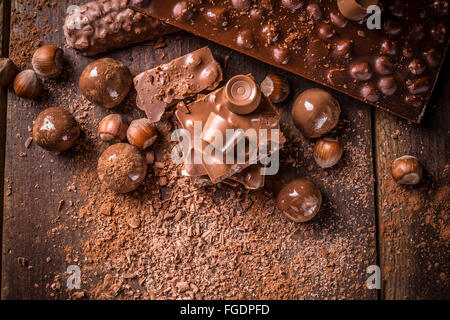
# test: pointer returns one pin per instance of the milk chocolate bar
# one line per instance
(167, 84)
(102, 25)
(393, 67)
(240, 106)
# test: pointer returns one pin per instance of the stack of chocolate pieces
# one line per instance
(234, 131)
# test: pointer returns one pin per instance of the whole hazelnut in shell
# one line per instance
(300, 200)
(47, 61)
(27, 85)
(327, 152)
(315, 112)
(407, 170)
(7, 71)
(55, 129)
(113, 127)
(106, 82)
(121, 168)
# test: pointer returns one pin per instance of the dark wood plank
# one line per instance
(334, 250)
(413, 221)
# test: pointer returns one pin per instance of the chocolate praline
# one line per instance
(121, 168)
(315, 112)
(300, 200)
(106, 82)
(55, 129)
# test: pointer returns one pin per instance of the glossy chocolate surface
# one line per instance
(167, 84)
(320, 44)
(213, 113)
(300, 200)
(315, 112)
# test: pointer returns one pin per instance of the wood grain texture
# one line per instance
(413, 236)
(413, 221)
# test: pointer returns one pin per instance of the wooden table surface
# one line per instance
(404, 230)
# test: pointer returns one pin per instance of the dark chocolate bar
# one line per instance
(102, 25)
(394, 67)
(183, 77)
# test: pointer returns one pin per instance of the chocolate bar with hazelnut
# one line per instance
(393, 65)
(102, 25)
(239, 106)
(167, 84)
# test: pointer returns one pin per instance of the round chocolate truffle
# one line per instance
(121, 168)
(292, 4)
(106, 82)
(315, 112)
(55, 129)
(300, 200)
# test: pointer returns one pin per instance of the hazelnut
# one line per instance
(55, 129)
(315, 112)
(141, 133)
(407, 170)
(300, 200)
(48, 61)
(106, 82)
(113, 128)
(27, 85)
(327, 152)
(7, 71)
(275, 87)
(121, 168)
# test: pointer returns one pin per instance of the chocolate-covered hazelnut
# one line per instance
(407, 51)
(413, 100)
(55, 129)
(315, 112)
(355, 10)
(245, 39)
(420, 85)
(325, 31)
(389, 47)
(343, 48)
(416, 66)
(270, 33)
(338, 20)
(241, 4)
(267, 4)
(360, 71)
(439, 32)
(432, 57)
(314, 11)
(7, 71)
(369, 93)
(121, 168)
(397, 8)
(417, 32)
(392, 27)
(387, 85)
(217, 16)
(383, 65)
(257, 14)
(106, 82)
(300, 200)
(280, 55)
(440, 7)
(182, 11)
(292, 4)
